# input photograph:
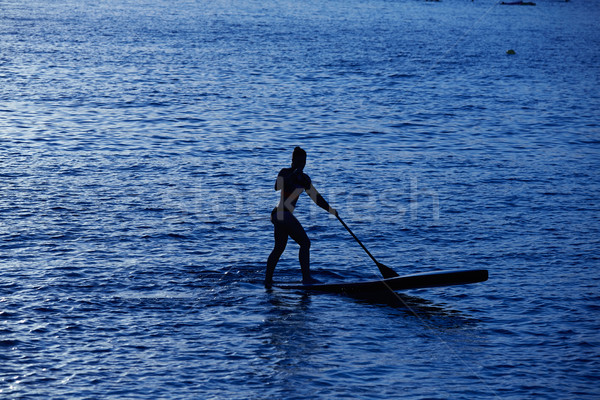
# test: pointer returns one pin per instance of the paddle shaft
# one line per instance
(385, 271)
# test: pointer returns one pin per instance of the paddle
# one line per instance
(385, 271)
(316, 196)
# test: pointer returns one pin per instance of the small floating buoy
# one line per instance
(511, 52)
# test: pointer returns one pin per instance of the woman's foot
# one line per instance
(310, 281)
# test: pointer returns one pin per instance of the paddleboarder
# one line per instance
(292, 182)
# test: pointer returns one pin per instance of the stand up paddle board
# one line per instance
(414, 281)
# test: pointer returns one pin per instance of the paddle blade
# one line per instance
(386, 271)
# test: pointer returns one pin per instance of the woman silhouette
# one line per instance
(292, 182)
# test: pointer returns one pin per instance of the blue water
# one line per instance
(139, 144)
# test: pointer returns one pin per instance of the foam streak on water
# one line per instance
(139, 144)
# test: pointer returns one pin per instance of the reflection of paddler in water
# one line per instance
(292, 182)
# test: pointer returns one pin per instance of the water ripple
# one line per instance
(138, 149)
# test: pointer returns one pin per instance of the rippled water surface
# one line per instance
(139, 144)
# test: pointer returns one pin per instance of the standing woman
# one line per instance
(292, 182)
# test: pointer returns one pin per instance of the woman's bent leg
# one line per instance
(281, 238)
